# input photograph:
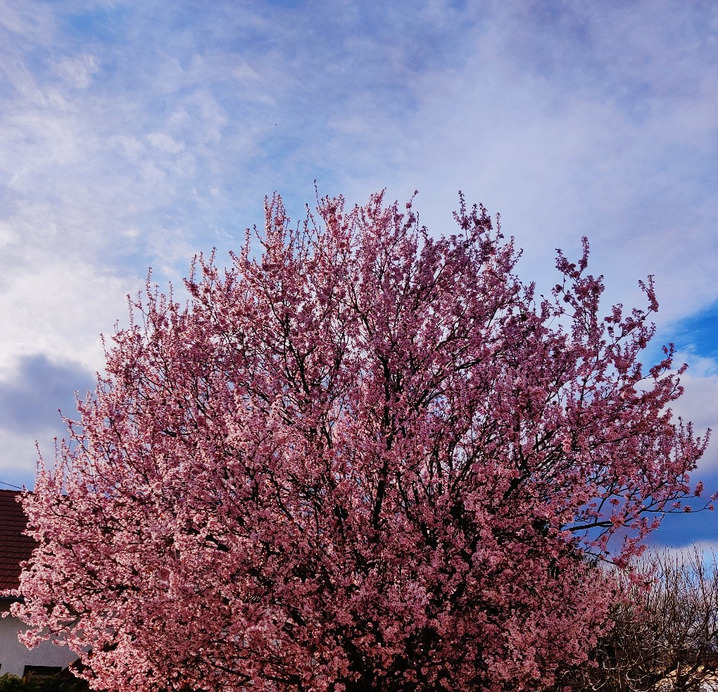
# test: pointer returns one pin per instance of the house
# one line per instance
(15, 547)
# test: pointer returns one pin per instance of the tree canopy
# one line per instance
(361, 458)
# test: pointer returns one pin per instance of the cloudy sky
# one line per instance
(133, 134)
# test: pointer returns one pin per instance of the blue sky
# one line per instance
(134, 134)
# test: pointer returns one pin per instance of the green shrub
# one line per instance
(12, 683)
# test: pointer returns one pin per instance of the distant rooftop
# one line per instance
(15, 546)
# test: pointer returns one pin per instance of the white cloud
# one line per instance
(59, 309)
(78, 71)
(699, 403)
(164, 143)
(19, 455)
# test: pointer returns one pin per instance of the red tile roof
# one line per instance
(14, 545)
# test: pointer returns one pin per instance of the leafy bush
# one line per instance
(55, 683)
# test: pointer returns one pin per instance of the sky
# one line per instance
(135, 134)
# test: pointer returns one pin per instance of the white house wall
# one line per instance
(14, 656)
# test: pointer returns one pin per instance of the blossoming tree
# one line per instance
(362, 458)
